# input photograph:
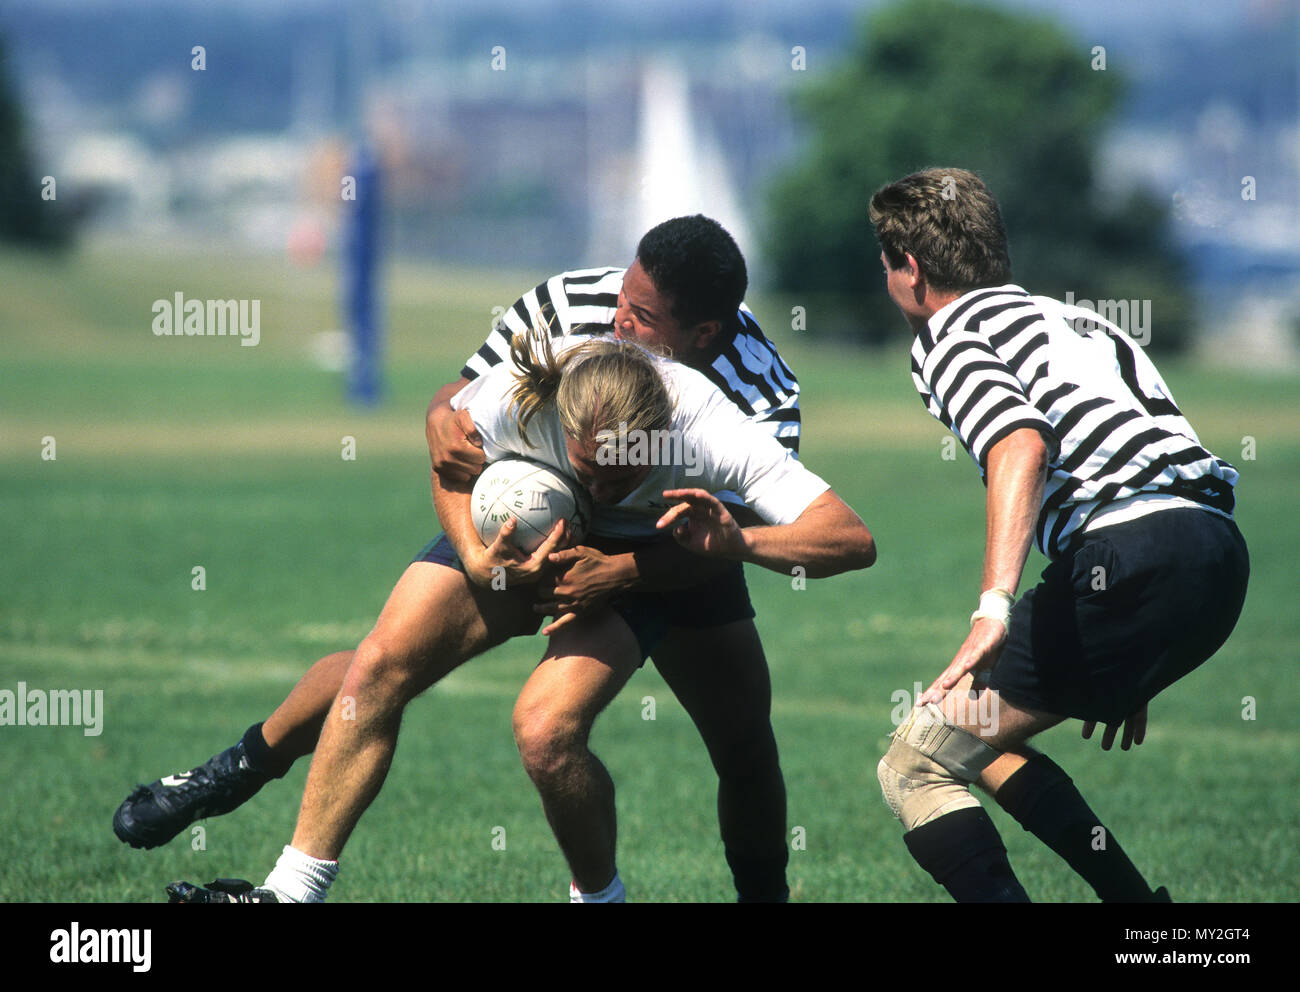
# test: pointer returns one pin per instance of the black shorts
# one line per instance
(719, 600)
(1130, 609)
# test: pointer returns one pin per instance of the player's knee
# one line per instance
(918, 789)
(548, 740)
(929, 766)
(380, 673)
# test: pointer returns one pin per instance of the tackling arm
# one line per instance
(667, 565)
(825, 539)
(455, 450)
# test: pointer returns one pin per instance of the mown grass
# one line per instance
(173, 454)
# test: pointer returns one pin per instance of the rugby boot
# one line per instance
(153, 814)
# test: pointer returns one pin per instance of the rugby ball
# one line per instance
(534, 494)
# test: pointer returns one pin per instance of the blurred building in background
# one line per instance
(551, 136)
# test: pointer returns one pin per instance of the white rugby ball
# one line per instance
(534, 494)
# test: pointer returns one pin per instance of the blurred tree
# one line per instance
(1012, 97)
(24, 215)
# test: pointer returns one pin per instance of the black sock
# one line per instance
(759, 879)
(261, 757)
(1044, 801)
(963, 852)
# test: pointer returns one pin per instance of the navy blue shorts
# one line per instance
(1126, 612)
(719, 600)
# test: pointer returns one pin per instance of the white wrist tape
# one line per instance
(995, 604)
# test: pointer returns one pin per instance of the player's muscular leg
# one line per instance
(434, 621)
(293, 729)
(720, 675)
(585, 666)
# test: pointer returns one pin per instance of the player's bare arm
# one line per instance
(1017, 473)
(455, 449)
(826, 539)
(451, 500)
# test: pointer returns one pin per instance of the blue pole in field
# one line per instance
(360, 265)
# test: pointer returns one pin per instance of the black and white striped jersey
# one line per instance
(748, 371)
(998, 360)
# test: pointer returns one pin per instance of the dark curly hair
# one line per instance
(696, 262)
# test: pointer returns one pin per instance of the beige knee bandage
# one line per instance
(929, 766)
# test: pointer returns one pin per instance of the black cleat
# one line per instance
(218, 890)
(153, 814)
(1160, 895)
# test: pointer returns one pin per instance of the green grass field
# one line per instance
(176, 453)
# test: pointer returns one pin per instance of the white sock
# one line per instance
(613, 892)
(299, 877)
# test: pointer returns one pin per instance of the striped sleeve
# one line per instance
(588, 296)
(750, 372)
(971, 390)
(997, 360)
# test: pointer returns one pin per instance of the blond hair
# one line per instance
(598, 386)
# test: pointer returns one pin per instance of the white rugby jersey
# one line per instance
(713, 447)
(996, 360)
(749, 371)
